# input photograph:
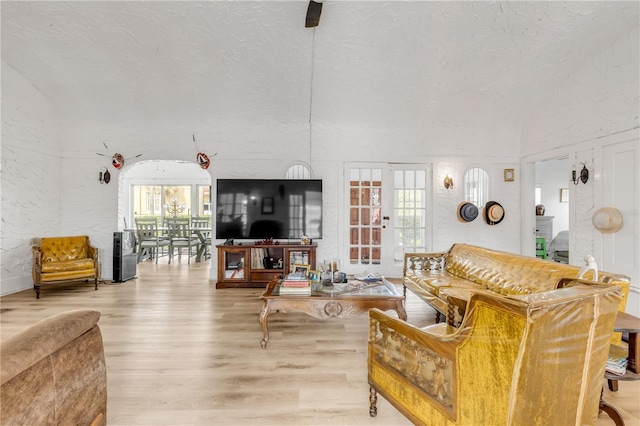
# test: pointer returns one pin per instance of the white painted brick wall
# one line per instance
(596, 100)
(31, 177)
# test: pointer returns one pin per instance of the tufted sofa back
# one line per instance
(513, 274)
(58, 249)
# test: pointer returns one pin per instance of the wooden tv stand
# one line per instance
(242, 265)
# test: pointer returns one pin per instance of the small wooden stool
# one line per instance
(541, 247)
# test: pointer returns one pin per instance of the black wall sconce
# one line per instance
(584, 175)
(105, 177)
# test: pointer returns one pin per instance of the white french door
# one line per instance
(620, 173)
(388, 215)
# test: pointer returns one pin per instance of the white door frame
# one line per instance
(387, 266)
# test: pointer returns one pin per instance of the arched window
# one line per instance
(298, 170)
(476, 186)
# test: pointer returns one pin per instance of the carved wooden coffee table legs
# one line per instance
(323, 308)
(265, 326)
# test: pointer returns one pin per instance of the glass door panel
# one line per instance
(409, 211)
(365, 185)
(382, 230)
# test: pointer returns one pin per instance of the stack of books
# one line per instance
(617, 363)
(295, 283)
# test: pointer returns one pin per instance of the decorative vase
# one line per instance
(540, 210)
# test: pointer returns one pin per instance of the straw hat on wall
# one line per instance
(493, 213)
(607, 220)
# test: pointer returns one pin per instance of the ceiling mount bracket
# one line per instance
(313, 14)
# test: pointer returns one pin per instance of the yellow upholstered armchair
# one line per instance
(61, 259)
(535, 359)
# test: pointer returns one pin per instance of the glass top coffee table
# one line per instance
(342, 300)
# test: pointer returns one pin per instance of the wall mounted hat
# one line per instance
(607, 220)
(203, 160)
(467, 211)
(117, 160)
(493, 213)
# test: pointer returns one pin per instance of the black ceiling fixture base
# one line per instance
(313, 14)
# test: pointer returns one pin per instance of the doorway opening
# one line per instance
(162, 189)
(552, 209)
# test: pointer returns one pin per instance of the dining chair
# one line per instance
(149, 238)
(181, 236)
(202, 226)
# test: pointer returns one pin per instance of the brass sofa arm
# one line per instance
(531, 359)
(424, 261)
(37, 265)
(412, 270)
(94, 253)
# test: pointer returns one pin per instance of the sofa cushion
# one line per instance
(433, 281)
(68, 265)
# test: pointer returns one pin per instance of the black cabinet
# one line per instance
(124, 256)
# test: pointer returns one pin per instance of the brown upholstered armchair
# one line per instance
(535, 359)
(58, 259)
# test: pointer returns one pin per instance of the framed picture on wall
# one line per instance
(267, 205)
(509, 175)
(564, 195)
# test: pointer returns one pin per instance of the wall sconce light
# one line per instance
(105, 177)
(584, 175)
(448, 182)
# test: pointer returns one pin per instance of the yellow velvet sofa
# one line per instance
(54, 373)
(61, 259)
(446, 280)
(529, 359)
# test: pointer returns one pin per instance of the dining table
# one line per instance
(201, 233)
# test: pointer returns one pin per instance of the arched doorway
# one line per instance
(162, 177)
(148, 189)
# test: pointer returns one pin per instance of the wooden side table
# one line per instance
(625, 323)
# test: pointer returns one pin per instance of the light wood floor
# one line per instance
(180, 352)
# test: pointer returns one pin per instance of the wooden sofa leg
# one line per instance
(373, 400)
(37, 290)
(438, 317)
(96, 282)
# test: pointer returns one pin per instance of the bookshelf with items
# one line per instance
(232, 266)
(260, 262)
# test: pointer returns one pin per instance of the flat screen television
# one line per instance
(268, 208)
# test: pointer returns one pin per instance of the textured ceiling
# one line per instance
(396, 63)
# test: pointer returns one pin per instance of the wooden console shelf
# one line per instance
(243, 265)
